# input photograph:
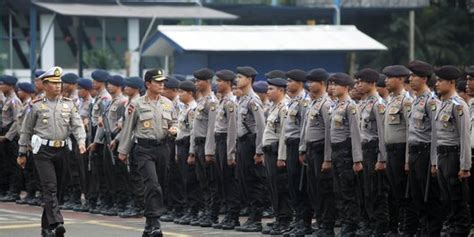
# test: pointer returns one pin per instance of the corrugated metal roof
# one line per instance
(127, 11)
(259, 38)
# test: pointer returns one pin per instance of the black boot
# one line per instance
(59, 230)
(154, 227)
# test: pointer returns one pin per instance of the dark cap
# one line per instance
(420, 68)
(275, 74)
(396, 71)
(367, 75)
(448, 72)
(38, 73)
(278, 82)
(115, 80)
(69, 78)
(247, 71)
(26, 87)
(84, 83)
(187, 86)
(179, 77)
(461, 86)
(100, 75)
(225, 75)
(203, 74)
(134, 82)
(341, 79)
(381, 81)
(296, 75)
(470, 71)
(171, 83)
(8, 80)
(155, 74)
(318, 74)
(260, 87)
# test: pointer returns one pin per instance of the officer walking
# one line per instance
(454, 153)
(315, 146)
(346, 155)
(149, 121)
(399, 104)
(422, 143)
(47, 125)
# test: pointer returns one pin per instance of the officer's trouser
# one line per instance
(192, 192)
(454, 191)
(430, 213)
(471, 188)
(32, 182)
(251, 176)
(401, 207)
(151, 156)
(174, 186)
(13, 171)
(50, 164)
(72, 181)
(298, 189)
(375, 189)
(227, 175)
(136, 181)
(208, 179)
(346, 184)
(278, 185)
(320, 186)
(120, 180)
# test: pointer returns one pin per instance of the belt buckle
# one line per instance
(56, 144)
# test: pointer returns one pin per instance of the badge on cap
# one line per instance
(57, 72)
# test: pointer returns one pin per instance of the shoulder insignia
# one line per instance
(352, 108)
(433, 105)
(36, 100)
(459, 109)
(304, 103)
(212, 106)
(230, 107)
(254, 106)
(131, 108)
(382, 108)
(67, 99)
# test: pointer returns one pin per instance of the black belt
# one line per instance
(199, 140)
(395, 146)
(292, 141)
(315, 143)
(219, 136)
(270, 148)
(345, 144)
(246, 136)
(447, 149)
(182, 141)
(370, 145)
(419, 147)
(150, 142)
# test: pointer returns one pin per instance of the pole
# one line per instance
(103, 33)
(79, 47)
(337, 12)
(412, 35)
(10, 39)
(33, 32)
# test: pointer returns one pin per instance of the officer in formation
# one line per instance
(394, 165)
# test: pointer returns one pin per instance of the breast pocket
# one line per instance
(315, 118)
(446, 121)
(394, 115)
(418, 117)
(146, 120)
(66, 117)
(338, 121)
(200, 112)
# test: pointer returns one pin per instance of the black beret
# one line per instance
(278, 81)
(296, 75)
(155, 74)
(420, 68)
(470, 71)
(84, 83)
(179, 77)
(115, 80)
(368, 75)
(26, 87)
(260, 86)
(225, 75)
(396, 71)
(8, 80)
(247, 71)
(134, 82)
(461, 86)
(341, 79)
(187, 86)
(69, 78)
(203, 74)
(275, 74)
(171, 83)
(38, 73)
(100, 75)
(318, 74)
(381, 81)
(448, 72)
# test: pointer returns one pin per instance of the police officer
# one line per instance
(225, 139)
(382, 87)
(422, 142)
(250, 127)
(97, 174)
(454, 153)
(315, 146)
(132, 88)
(9, 144)
(39, 88)
(150, 120)
(261, 87)
(174, 188)
(372, 110)
(187, 94)
(275, 157)
(47, 126)
(396, 131)
(470, 91)
(297, 106)
(346, 155)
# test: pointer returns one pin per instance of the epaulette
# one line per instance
(36, 100)
(66, 98)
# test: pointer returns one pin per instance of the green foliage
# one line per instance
(101, 59)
